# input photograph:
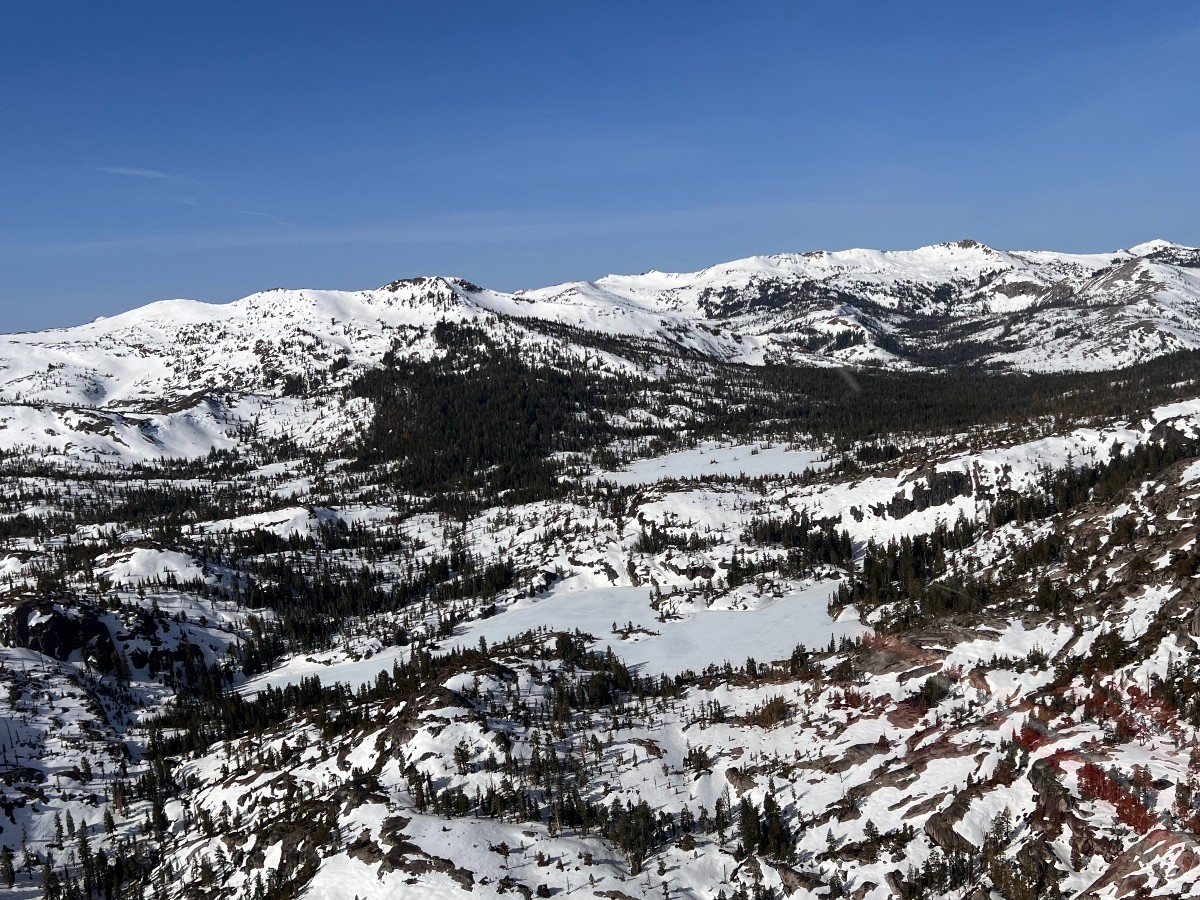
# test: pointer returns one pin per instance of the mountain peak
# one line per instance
(419, 282)
(1154, 246)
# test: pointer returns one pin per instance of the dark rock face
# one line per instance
(940, 826)
(942, 488)
(48, 629)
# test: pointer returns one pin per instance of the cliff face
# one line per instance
(74, 634)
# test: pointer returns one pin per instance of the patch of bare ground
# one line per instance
(404, 856)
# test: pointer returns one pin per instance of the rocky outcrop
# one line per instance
(50, 629)
(938, 490)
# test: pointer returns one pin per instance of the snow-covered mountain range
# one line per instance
(573, 592)
(173, 377)
(1037, 311)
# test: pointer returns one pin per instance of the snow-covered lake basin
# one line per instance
(767, 632)
(753, 460)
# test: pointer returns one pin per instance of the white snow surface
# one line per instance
(179, 377)
(767, 631)
(752, 460)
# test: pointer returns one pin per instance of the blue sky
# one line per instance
(152, 150)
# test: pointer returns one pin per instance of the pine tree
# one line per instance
(7, 874)
(749, 825)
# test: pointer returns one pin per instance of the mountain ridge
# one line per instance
(445, 592)
(938, 307)
(872, 262)
(895, 280)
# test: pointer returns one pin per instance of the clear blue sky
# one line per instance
(208, 150)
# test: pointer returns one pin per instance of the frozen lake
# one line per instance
(753, 460)
(767, 632)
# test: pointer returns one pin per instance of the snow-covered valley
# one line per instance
(653, 586)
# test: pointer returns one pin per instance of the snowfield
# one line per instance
(178, 377)
(751, 460)
(959, 662)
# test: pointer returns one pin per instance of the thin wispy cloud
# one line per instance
(148, 174)
(196, 194)
(263, 215)
(479, 227)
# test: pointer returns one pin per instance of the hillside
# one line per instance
(175, 377)
(858, 574)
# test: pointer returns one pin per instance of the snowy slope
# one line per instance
(169, 347)
(178, 377)
(929, 738)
